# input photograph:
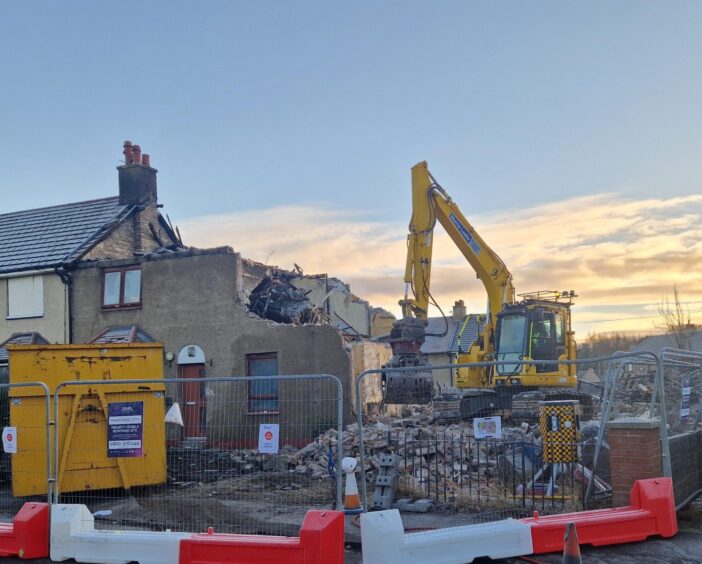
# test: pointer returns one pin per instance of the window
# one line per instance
(263, 394)
(25, 297)
(121, 287)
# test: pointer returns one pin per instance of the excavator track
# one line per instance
(522, 404)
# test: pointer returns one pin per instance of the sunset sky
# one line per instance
(569, 134)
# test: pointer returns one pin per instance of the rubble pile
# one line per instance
(437, 460)
(275, 298)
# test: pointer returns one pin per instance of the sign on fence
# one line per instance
(268, 434)
(125, 429)
(9, 440)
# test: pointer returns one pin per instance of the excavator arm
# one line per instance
(430, 203)
(537, 328)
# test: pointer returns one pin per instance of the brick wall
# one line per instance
(133, 235)
(635, 452)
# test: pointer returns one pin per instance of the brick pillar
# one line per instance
(635, 454)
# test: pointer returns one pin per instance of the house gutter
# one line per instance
(67, 279)
(20, 273)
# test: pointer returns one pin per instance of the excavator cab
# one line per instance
(533, 330)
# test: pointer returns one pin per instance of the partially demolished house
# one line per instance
(293, 297)
(39, 247)
(220, 315)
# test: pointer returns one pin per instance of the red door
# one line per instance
(194, 401)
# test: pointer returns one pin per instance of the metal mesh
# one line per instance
(681, 390)
(488, 479)
(209, 472)
(24, 474)
(477, 479)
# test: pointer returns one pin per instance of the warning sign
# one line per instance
(9, 440)
(125, 429)
(268, 438)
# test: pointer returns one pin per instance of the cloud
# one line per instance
(614, 251)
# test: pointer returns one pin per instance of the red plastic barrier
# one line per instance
(28, 534)
(652, 512)
(321, 541)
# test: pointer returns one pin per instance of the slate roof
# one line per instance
(48, 237)
(467, 332)
(122, 334)
(441, 343)
(33, 338)
(456, 335)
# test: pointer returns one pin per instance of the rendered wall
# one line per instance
(53, 325)
(191, 298)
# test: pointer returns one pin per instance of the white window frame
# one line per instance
(25, 297)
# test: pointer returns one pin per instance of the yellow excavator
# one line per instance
(535, 327)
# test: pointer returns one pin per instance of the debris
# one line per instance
(419, 506)
(275, 298)
(386, 482)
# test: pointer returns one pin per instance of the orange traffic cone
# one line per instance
(352, 501)
(571, 549)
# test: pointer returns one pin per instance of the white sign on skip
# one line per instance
(268, 438)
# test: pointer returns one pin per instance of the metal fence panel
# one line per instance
(215, 474)
(25, 474)
(494, 478)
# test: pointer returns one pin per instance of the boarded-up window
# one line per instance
(263, 394)
(25, 297)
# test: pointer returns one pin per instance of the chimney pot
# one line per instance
(127, 152)
(137, 184)
(459, 310)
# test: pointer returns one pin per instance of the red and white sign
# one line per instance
(9, 440)
(269, 438)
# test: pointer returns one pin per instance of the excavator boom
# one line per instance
(536, 328)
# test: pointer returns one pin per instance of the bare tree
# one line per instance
(676, 320)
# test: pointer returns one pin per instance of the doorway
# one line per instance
(191, 364)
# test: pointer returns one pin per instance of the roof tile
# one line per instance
(48, 237)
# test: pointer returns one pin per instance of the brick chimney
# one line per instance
(459, 310)
(137, 180)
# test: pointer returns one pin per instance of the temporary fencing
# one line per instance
(489, 479)
(681, 385)
(25, 469)
(25, 460)
(241, 464)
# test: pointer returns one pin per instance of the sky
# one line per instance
(568, 134)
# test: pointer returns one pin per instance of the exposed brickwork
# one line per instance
(134, 235)
(635, 454)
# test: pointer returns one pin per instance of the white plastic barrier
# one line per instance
(385, 542)
(73, 535)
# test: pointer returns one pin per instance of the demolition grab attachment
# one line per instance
(415, 386)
